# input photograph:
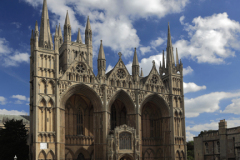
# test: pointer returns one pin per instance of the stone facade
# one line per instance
(77, 115)
(221, 144)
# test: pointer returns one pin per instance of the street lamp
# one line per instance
(15, 158)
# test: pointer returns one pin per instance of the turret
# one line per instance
(79, 39)
(88, 33)
(141, 73)
(67, 29)
(135, 67)
(101, 61)
(162, 66)
(60, 36)
(36, 35)
(56, 40)
(45, 38)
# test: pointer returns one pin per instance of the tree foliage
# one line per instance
(13, 141)
(190, 150)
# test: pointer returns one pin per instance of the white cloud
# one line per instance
(233, 107)
(156, 43)
(9, 58)
(145, 50)
(187, 70)
(12, 112)
(206, 103)
(17, 24)
(109, 68)
(181, 19)
(20, 97)
(212, 39)
(189, 136)
(111, 21)
(2, 100)
(192, 87)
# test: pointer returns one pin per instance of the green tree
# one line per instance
(13, 141)
(190, 150)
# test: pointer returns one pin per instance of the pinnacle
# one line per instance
(56, 32)
(36, 26)
(88, 26)
(79, 39)
(59, 31)
(67, 20)
(101, 54)
(135, 58)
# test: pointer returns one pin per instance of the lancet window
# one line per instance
(79, 122)
(125, 140)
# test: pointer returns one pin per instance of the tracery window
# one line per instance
(125, 140)
(121, 73)
(80, 68)
(154, 79)
(206, 147)
(79, 122)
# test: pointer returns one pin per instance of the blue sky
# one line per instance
(206, 33)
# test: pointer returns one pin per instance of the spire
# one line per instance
(36, 26)
(163, 60)
(101, 54)
(79, 39)
(45, 39)
(88, 26)
(67, 20)
(177, 60)
(170, 58)
(56, 31)
(141, 73)
(135, 58)
(59, 31)
(32, 35)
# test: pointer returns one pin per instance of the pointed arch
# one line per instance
(127, 155)
(160, 103)
(50, 103)
(42, 155)
(42, 86)
(50, 87)
(159, 153)
(50, 155)
(84, 90)
(178, 155)
(82, 151)
(68, 154)
(125, 98)
(149, 154)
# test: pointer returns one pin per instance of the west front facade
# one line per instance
(75, 114)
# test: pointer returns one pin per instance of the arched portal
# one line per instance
(79, 105)
(155, 124)
(122, 110)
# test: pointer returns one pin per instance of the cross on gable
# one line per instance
(120, 55)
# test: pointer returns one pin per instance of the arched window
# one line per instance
(80, 157)
(50, 88)
(42, 87)
(113, 117)
(79, 122)
(42, 156)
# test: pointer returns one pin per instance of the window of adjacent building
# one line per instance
(206, 147)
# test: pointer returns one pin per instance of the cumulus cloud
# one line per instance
(212, 39)
(187, 70)
(20, 99)
(157, 42)
(12, 112)
(111, 21)
(192, 87)
(206, 103)
(2, 100)
(233, 107)
(189, 136)
(145, 50)
(9, 57)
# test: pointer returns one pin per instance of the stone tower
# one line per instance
(115, 115)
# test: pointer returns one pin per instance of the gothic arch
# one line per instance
(50, 103)
(42, 102)
(160, 103)
(42, 155)
(42, 86)
(50, 87)
(86, 91)
(50, 155)
(84, 152)
(149, 154)
(125, 99)
(126, 155)
(68, 154)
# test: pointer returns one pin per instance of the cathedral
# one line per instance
(77, 115)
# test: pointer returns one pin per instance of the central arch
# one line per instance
(122, 110)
